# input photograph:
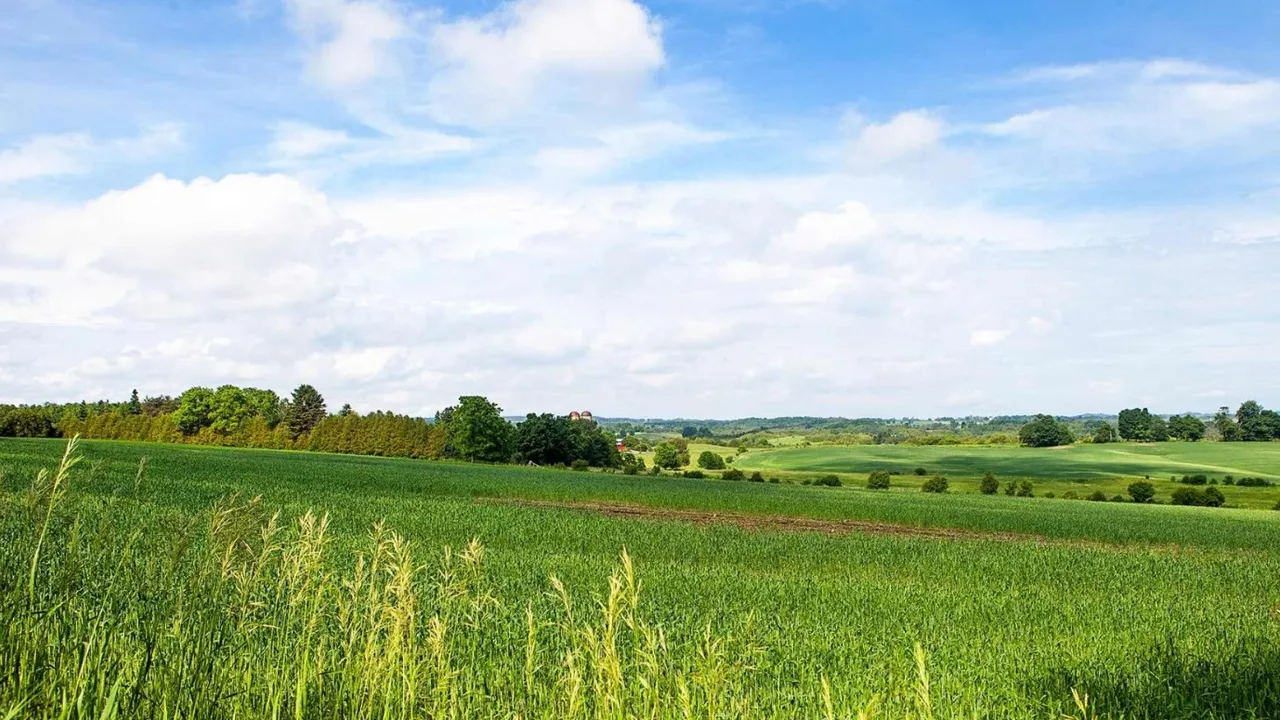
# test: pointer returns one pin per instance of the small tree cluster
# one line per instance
(935, 484)
(1208, 497)
(878, 480)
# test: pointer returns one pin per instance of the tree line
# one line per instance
(1250, 423)
(473, 430)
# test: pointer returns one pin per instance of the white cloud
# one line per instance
(495, 65)
(1131, 108)
(349, 40)
(78, 153)
(905, 134)
(987, 338)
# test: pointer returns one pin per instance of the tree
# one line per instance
(1186, 427)
(194, 407)
(1228, 428)
(989, 484)
(151, 406)
(688, 431)
(1025, 489)
(1135, 424)
(478, 432)
(878, 480)
(346, 410)
(135, 405)
(1257, 424)
(710, 461)
(1104, 434)
(305, 410)
(229, 409)
(1045, 431)
(666, 456)
(1158, 429)
(546, 439)
(1142, 491)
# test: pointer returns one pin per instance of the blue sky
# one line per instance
(701, 209)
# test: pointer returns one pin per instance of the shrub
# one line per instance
(1098, 496)
(1050, 495)
(920, 471)
(1070, 495)
(1276, 506)
(1142, 492)
(1117, 498)
(878, 480)
(655, 470)
(756, 477)
(1213, 497)
(774, 480)
(710, 461)
(695, 474)
(631, 469)
(806, 481)
(828, 481)
(1253, 482)
(1024, 489)
(580, 465)
(1010, 488)
(734, 474)
(1194, 479)
(989, 484)
(1209, 497)
(935, 484)
(1229, 480)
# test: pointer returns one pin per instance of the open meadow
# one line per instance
(130, 594)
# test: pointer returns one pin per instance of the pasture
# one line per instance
(1154, 612)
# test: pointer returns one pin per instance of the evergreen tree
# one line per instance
(305, 410)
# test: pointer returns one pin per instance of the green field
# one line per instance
(1077, 467)
(1154, 611)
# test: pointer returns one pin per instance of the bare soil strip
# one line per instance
(769, 522)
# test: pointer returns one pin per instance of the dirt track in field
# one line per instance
(767, 522)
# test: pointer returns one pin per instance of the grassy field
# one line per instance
(1079, 468)
(140, 605)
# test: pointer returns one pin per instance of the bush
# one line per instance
(1098, 496)
(734, 474)
(1195, 479)
(695, 474)
(878, 480)
(655, 470)
(1209, 497)
(580, 465)
(920, 471)
(1070, 495)
(1229, 480)
(631, 469)
(1276, 506)
(1024, 489)
(1010, 488)
(710, 461)
(774, 480)
(1117, 498)
(935, 484)
(756, 477)
(1142, 492)
(828, 481)
(989, 484)
(1253, 482)
(1050, 495)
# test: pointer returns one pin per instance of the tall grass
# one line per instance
(240, 615)
(115, 606)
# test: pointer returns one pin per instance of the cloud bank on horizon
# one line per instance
(695, 209)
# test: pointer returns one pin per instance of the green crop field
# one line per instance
(153, 591)
(1110, 467)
